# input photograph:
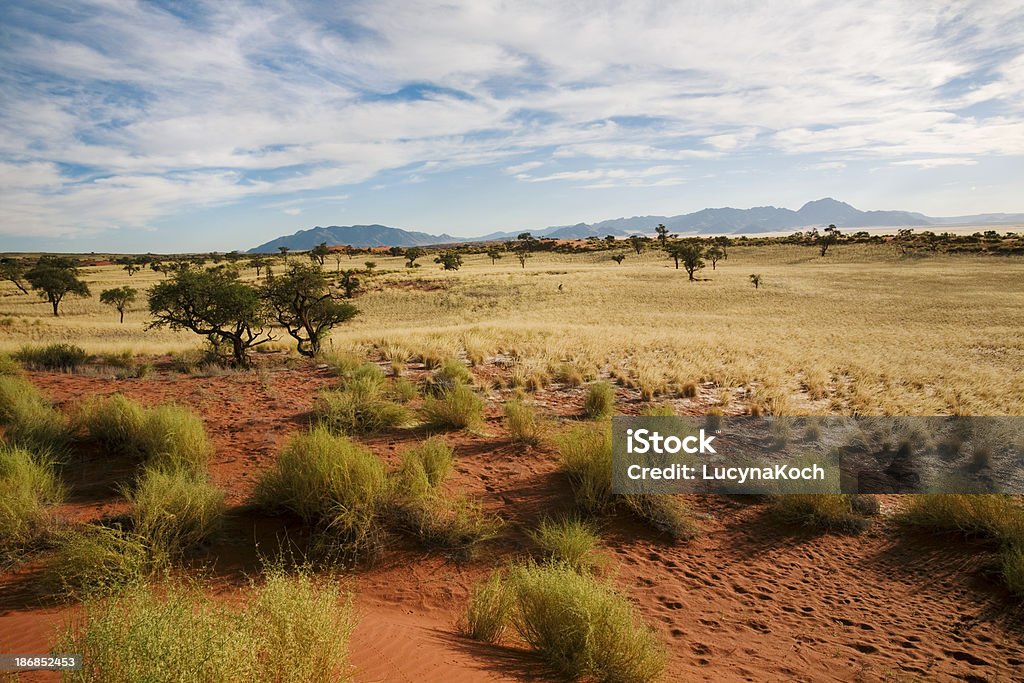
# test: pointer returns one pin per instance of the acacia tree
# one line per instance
(662, 233)
(54, 277)
(449, 260)
(755, 280)
(215, 304)
(411, 254)
(301, 301)
(494, 254)
(130, 265)
(618, 258)
(637, 242)
(284, 252)
(319, 253)
(13, 271)
(119, 297)
(690, 254)
(349, 282)
(715, 254)
(259, 263)
(830, 237)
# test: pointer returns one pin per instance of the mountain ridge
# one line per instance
(722, 220)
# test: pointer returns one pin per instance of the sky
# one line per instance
(181, 126)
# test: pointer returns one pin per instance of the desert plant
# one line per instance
(425, 466)
(174, 511)
(54, 277)
(9, 366)
(100, 560)
(119, 298)
(456, 524)
(688, 252)
(756, 280)
(599, 401)
(449, 260)
(1013, 569)
(455, 408)
(404, 390)
(358, 409)
(28, 486)
(664, 513)
(28, 419)
(524, 427)
(450, 374)
(302, 303)
(582, 627)
(330, 481)
(995, 517)
(830, 512)
(61, 357)
(586, 455)
(567, 541)
(489, 609)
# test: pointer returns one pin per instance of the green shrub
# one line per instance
(663, 410)
(449, 375)
(9, 366)
(489, 609)
(599, 402)
(174, 510)
(425, 466)
(168, 436)
(586, 455)
(1013, 569)
(582, 627)
(328, 480)
(28, 419)
(294, 629)
(100, 560)
(453, 523)
(341, 364)
(28, 486)
(63, 357)
(456, 408)
(358, 409)
(830, 512)
(523, 425)
(569, 542)
(663, 512)
(404, 390)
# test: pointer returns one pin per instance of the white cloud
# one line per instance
(936, 162)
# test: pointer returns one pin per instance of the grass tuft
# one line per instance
(98, 560)
(586, 454)
(175, 511)
(524, 427)
(28, 487)
(449, 375)
(455, 408)
(489, 609)
(567, 541)
(359, 408)
(28, 419)
(599, 401)
(61, 357)
(828, 512)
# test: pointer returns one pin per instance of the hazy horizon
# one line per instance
(162, 127)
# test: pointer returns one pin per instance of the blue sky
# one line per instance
(170, 126)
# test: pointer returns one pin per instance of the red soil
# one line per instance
(748, 600)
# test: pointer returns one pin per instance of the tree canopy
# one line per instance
(54, 277)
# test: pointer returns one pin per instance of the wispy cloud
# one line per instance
(116, 115)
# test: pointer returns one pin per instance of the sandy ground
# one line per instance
(748, 600)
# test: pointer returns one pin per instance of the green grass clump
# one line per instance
(28, 419)
(98, 560)
(489, 609)
(404, 390)
(330, 481)
(586, 455)
(293, 628)
(579, 625)
(663, 512)
(567, 541)
(168, 436)
(28, 487)
(599, 401)
(455, 408)
(174, 510)
(9, 366)
(1013, 569)
(456, 524)
(450, 374)
(63, 357)
(829, 512)
(425, 466)
(359, 408)
(341, 364)
(524, 427)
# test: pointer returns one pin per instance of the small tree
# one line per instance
(903, 239)
(370, 265)
(284, 252)
(259, 263)
(755, 280)
(349, 283)
(13, 271)
(828, 238)
(396, 251)
(214, 304)
(411, 254)
(54, 277)
(130, 265)
(494, 254)
(715, 254)
(662, 233)
(618, 258)
(319, 253)
(449, 260)
(119, 297)
(302, 303)
(690, 254)
(522, 254)
(637, 242)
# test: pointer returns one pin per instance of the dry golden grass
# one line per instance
(860, 331)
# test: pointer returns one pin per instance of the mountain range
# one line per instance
(724, 220)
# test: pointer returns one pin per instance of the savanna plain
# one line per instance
(429, 497)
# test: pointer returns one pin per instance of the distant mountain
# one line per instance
(352, 235)
(726, 220)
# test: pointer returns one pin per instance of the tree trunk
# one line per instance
(56, 303)
(121, 311)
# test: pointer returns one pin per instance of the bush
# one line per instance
(829, 512)
(28, 486)
(582, 627)
(569, 542)
(455, 524)
(599, 402)
(456, 408)
(404, 390)
(9, 366)
(294, 628)
(28, 419)
(341, 364)
(358, 409)
(523, 425)
(665, 513)
(445, 378)
(168, 437)
(175, 511)
(586, 454)
(328, 480)
(489, 609)
(425, 467)
(100, 560)
(1013, 569)
(63, 357)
